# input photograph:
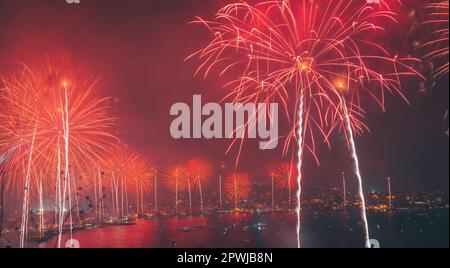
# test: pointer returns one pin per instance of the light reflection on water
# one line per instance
(266, 231)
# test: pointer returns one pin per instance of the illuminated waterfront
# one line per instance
(414, 229)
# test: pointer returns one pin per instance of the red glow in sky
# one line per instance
(138, 49)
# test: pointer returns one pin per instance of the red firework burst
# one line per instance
(294, 52)
(52, 116)
(199, 171)
(285, 176)
(237, 187)
(175, 178)
(318, 58)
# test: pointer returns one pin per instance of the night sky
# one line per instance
(138, 48)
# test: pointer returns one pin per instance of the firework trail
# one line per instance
(141, 181)
(113, 170)
(389, 180)
(129, 174)
(117, 165)
(66, 138)
(156, 189)
(26, 196)
(190, 195)
(284, 175)
(293, 52)
(220, 191)
(300, 150)
(273, 191)
(344, 191)
(41, 209)
(76, 193)
(148, 178)
(358, 175)
(175, 180)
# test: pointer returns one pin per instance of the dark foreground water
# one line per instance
(407, 229)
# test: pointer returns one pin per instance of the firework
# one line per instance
(140, 175)
(284, 176)
(237, 187)
(436, 44)
(156, 189)
(143, 178)
(200, 171)
(294, 52)
(128, 173)
(52, 121)
(123, 160)
(176, 181)
(344, 191)
(358, 174)
(389, 179)
(36, 106)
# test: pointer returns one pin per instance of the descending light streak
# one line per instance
(59, 199)
(156, 190)
(273, 192)
(115, 196)
(235, 192)
(100, 189)
(358, 174)
(41, 209)
(344, 191)
(190, 196)
(201, 193)
(390, 193)
(142, 199)
(220, 190)
(137, 194)
(75, 192)
(65, 123)
(176, 194)
(299, 167)
(289, 189)
(26, 196)
(69, 199)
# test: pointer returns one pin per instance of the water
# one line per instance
(270, 231)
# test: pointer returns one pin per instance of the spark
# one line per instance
(436, 40)
(292, 52)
